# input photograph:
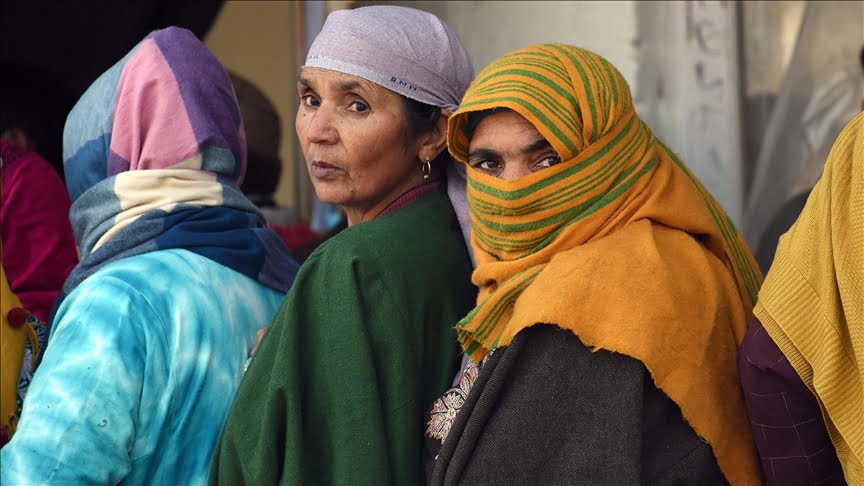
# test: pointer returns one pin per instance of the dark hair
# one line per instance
(421, 119)
(861, 55)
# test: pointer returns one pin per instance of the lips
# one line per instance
(323, 170)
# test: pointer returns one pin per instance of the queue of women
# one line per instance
(533, 288)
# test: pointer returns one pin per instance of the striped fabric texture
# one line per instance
(812, 304)
(619, 243)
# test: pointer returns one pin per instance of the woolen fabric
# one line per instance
(812, 303)
(547, 410)
(363, 344)
(619, 243)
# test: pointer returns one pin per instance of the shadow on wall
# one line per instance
(52, 51)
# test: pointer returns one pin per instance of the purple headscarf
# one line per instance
(402, 49)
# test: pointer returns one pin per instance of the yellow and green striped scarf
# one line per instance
(619, 243)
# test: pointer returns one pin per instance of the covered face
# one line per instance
(590, 165)
(557, 157)
(375, 92)
(506, 145)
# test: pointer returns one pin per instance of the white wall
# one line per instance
(260, 40)
(668, 51)
(489, 29)
(690, 56)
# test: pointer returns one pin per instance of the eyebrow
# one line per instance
(339, 85)
(488, 153)
(483, 153)
(537, 145)
(346, 85)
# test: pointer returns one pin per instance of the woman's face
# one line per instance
(354, 137)
(507, 146)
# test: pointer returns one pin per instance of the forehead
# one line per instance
(504, 130)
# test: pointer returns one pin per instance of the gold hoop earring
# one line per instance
(427, 169)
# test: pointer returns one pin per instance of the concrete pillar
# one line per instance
(689, 85)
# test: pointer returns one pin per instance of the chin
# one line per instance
(329, 195)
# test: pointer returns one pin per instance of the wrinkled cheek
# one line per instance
(342, 191)
(300, 124)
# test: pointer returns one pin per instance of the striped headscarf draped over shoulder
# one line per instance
(619, 243)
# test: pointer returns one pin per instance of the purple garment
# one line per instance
(457, 183)
(793, 444)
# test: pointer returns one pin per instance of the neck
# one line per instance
(396, 199)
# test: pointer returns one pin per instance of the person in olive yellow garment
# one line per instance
(802, 361)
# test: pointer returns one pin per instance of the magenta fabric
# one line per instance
(790, 434)
(38, 246)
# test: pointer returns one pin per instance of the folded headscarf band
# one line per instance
(389, 46)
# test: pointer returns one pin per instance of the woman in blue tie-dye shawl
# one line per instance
(177, 272)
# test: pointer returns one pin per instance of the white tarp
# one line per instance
(821, 92)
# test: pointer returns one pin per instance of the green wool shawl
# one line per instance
(362, 345)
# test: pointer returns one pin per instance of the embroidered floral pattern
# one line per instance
(445, 409)
(27, 362)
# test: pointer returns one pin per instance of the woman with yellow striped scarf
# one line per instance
(614, 292)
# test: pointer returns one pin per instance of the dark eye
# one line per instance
(309, 100)
(358, 106)
(548, 161)
(487, 165)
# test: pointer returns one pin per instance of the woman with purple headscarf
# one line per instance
(177, 272)
(364, 341)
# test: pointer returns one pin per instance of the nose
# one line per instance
(514, 170)
(317, 127)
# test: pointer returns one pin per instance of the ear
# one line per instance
(434, 142)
